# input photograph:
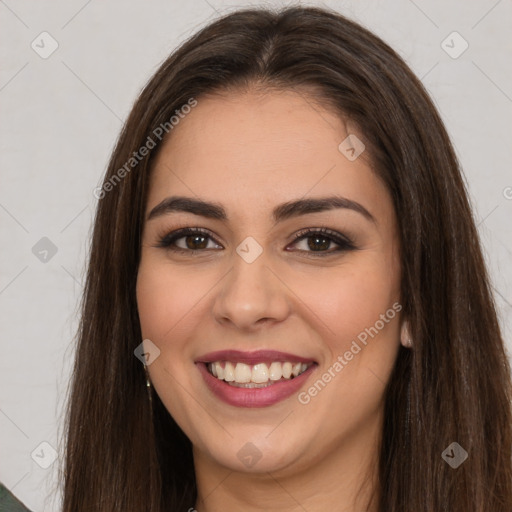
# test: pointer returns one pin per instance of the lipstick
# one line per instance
(257, 395)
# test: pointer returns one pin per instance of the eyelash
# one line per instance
(344, 243)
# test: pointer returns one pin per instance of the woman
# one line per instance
(286, 304)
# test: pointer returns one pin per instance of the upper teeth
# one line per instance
(260, 373)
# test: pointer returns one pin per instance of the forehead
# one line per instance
(250, 149)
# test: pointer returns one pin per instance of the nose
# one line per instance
(251, 295)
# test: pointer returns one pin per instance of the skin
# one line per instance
(251, 152)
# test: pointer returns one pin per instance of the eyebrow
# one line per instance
(280, 213)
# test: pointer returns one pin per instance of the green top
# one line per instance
(9, 503)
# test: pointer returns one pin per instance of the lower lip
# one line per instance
(253, 397)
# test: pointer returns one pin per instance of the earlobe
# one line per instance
(405, 335)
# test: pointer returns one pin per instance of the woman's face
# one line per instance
(245, 294)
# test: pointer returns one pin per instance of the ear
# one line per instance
(405, 335)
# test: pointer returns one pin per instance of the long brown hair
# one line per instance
(454, 384)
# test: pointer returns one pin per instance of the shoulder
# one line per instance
(9, 502)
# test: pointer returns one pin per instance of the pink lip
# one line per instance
(255, 397)
(251, 358)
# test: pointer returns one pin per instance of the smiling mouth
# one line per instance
(259, 375)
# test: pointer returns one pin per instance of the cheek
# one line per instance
(156, 302)
(165, 302)
(168, 312)
(172, 304)
(164, 296)
(349, 300)
(361, 309)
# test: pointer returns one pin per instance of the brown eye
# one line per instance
(194, 240)
(319, 240)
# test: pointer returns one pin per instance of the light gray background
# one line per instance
(61, 117)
